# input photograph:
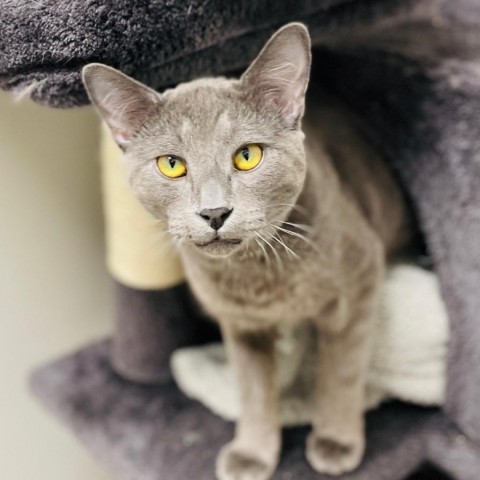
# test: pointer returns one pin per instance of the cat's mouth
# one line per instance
(220, 241)
(220, 247)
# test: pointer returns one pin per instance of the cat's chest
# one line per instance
(256, 292)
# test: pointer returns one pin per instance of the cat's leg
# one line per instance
(337, 442)
(253, 453)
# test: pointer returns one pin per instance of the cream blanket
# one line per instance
(408, 359)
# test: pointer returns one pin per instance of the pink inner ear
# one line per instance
(121, 135)
(285, 80)
(293, 103)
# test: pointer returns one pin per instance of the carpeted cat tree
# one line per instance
(410, 69)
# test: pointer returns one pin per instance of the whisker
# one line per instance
(295, 234)
(275, 253)
(161, 244)
(278, 239)
(265, 253)
(300, 226)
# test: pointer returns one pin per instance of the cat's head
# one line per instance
(218, 159)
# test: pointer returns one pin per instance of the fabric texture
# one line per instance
(409, 68)
(150, 326)
(155, 433)
(45, 43)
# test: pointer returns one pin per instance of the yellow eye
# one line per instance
(248, 157)
(171, 167)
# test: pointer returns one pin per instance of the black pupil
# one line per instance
(246, 153)
(172, 161)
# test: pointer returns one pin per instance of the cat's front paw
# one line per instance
(235, 463)
(333, 457)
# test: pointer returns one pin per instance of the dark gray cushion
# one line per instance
(159, 42)
(155, 433)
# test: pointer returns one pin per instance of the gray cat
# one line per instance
(275, 226)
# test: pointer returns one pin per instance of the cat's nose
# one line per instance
(216, 217)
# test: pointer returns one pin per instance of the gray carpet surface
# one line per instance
(45, 43)
(156, 433)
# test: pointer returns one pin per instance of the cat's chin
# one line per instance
(220, 247)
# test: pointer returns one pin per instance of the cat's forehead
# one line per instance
(207, 105)
(219, 124)
(208, 113)
(217, 106)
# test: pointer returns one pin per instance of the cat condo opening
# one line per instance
(409, 70)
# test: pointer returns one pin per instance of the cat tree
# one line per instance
(411, 69)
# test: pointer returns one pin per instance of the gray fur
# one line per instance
(303, 242)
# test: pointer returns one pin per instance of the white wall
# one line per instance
(54, 290)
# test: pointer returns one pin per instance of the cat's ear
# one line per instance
(280, 73)
(123, 102)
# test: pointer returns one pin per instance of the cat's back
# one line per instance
(364, 175)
